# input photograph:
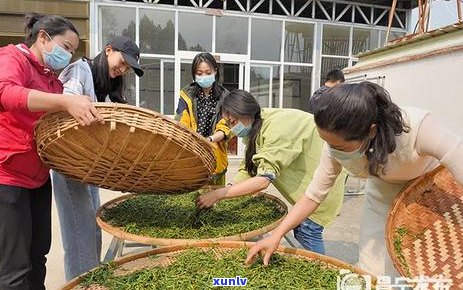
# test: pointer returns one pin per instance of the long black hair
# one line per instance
(351, 109)
(52, 24)
(105, 85)
(239, 104)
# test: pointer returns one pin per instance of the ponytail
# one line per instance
(390, 124)
(251, 168)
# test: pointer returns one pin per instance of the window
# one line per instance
(195, 32)
(265, 39)
(297, 86)
(299, 41)
(364, 39)
(157, 31)
(264, 85)
(336, 40)
(151, 86)
(130, 92)
(232, 35)
(116, 21)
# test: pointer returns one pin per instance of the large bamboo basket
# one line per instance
(123, 235)
(429, 213)
(136, 150)
(141, 261)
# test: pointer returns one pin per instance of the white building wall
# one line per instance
(422, 71)
(433, 83)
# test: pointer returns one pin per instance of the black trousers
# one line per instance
(25, 236)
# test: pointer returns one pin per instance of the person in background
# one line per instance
(77, 202)
(197, 109)
(282, 148)
(371, 137)
(333, 77)
(28, 88)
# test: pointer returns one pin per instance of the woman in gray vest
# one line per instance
(102, 80)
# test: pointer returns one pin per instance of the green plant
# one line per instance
(177, 217)
(399, 234)
(195, 269)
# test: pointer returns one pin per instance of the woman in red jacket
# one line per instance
(28, 88)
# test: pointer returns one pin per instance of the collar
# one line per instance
(31, 56)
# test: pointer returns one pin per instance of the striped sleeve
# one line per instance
(75, 79)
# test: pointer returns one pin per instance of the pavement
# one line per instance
(341, 237)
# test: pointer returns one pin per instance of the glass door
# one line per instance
(265, 85)
(231, 75)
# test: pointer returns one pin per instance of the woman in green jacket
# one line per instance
(283, 148)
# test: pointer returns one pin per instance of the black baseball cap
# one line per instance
(130, 52)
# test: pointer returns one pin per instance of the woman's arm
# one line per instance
(249, 186)
(80, 107)
(303, 208)
(217, 136)
(14, 95)
(436, 140)
(221, 132)
(324, 177)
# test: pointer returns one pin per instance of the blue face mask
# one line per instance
(343, 156)
(241, 130)
(205, 81)
(58, 58)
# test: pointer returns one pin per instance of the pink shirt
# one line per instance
(20, 71)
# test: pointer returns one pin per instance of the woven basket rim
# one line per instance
(54, 130)
(230, 245)
(144, 110)
(393, 211)
(123, 235)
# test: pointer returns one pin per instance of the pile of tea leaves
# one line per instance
(177, 217)
(398, 240)
(196, 268)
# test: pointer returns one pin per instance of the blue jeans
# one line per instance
(309, 235)
(77, 203)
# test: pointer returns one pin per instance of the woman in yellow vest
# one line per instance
(197, 109)
(283, 148)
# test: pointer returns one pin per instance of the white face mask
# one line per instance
(241, 130)
(346, 156)
(355, 161)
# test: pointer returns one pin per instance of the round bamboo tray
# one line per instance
(164, 256)
(425, 228)
(135, 150)
(123, 235)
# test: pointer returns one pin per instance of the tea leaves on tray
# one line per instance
(195, 269)
(177, 217)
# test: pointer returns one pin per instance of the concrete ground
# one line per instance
(341, 238)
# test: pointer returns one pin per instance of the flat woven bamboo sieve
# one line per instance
(136, 150)
(425, 228)
(124, 235)
(141, 261)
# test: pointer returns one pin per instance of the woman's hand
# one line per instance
(267, 245)
(82, 109)
(209, 199)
